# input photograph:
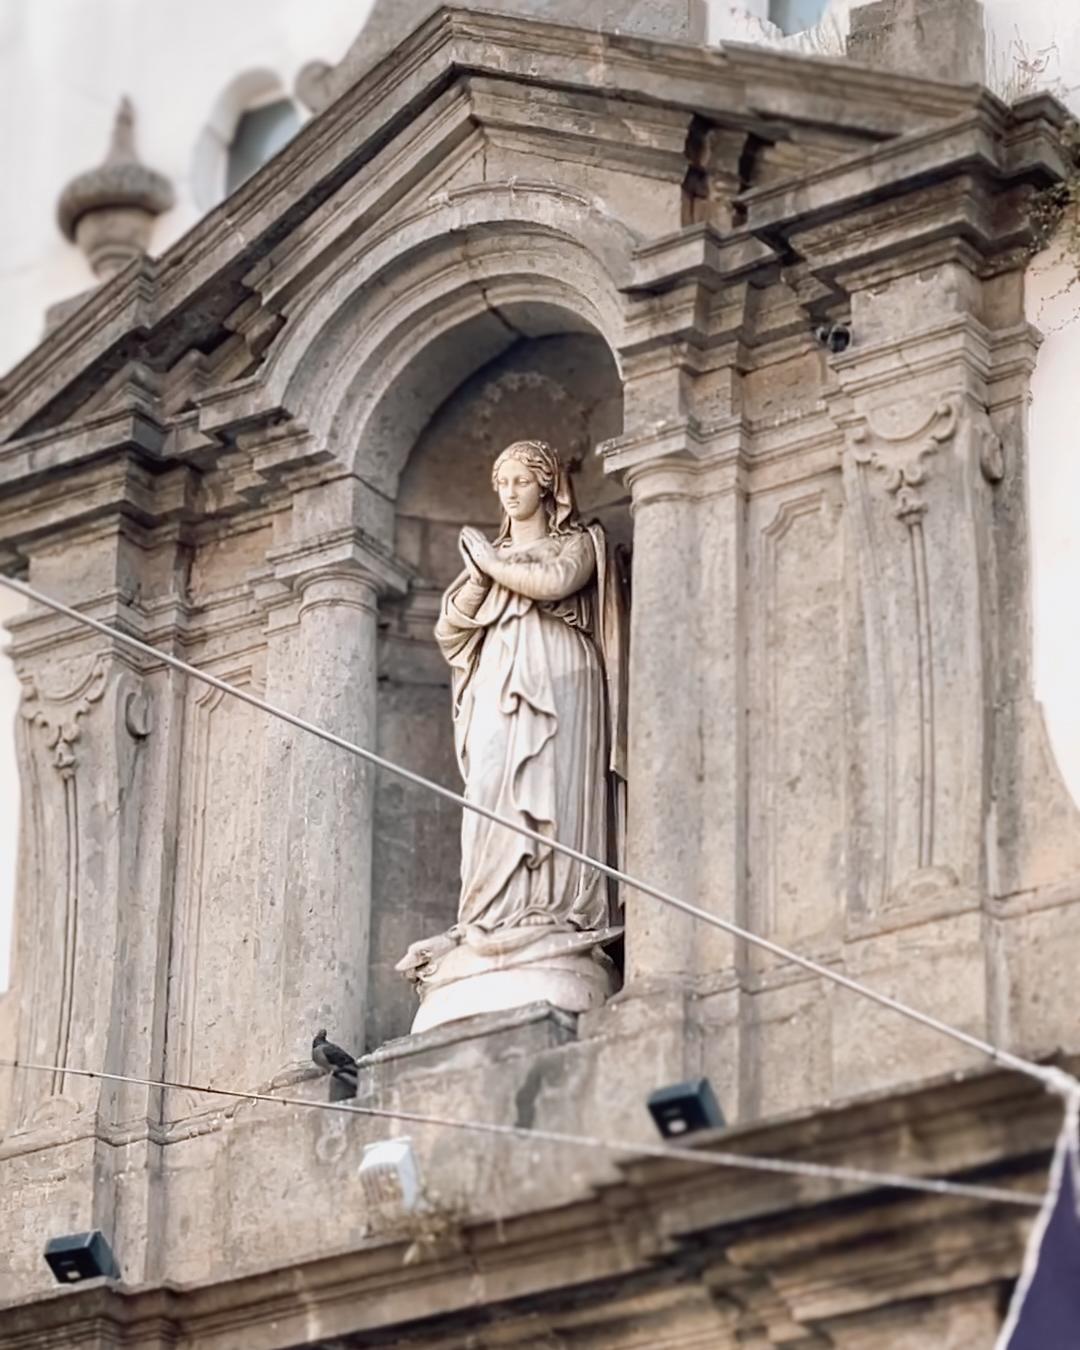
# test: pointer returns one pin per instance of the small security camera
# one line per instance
(835, 336)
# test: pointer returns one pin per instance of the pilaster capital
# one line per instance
(991, 366)
(698, 258)
(677, 458)
(58, 714)
(664, 441)
(345, 566)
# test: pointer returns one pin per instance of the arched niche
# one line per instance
(492, 313)
(552, 377)
(411, 311)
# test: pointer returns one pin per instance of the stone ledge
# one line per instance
(662, 1224)
(520, 1031)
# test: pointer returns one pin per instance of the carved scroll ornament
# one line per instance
(58, 715)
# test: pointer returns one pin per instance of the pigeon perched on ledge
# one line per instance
(331, 1058)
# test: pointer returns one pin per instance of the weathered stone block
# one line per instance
(938, 967)
(788, 1059)
(1040, 956)
(46, 1193)
(942, 39)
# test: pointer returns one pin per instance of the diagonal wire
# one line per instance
(1056, 1080)
(711, 1158)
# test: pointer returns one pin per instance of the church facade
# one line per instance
(771, 310)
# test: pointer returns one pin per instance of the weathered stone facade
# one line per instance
(662, 1254)
(256, 451)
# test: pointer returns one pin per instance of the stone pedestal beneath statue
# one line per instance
(466, 973)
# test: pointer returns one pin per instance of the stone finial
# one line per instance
(109, 211)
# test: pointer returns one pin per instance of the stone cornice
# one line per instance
(226, 457)
(973, 144)
(346, 554)
(683, 444)
(699, 253)
(94, 333)
(647, 140)
(922, 359)
(841, 93)
(186, 295)
(914, 202)
(714, 1233)
(33, 456)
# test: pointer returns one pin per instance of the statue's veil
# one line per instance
(543, 460)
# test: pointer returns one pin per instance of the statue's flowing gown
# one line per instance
(531, 733)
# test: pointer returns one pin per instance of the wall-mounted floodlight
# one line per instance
(686, 1107)
(81, 1256)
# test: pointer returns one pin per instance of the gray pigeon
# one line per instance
(330, 1057)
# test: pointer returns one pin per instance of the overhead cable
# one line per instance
(707, 1157)
(1056, 1080)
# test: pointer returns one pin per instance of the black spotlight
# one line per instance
(81, 1256)
(686, 1107)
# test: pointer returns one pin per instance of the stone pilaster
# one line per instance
(663, 833)
(919, 484)
(97, 738)
(686, 826)
(687, 762)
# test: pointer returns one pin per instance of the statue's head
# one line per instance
(529, 477)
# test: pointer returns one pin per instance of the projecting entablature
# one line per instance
(653, 137)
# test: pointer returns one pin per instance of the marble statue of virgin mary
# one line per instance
(532, 629)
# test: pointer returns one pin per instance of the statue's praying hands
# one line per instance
(477, 551)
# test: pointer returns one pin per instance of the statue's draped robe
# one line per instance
(531, 726)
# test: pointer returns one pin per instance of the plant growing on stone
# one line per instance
(435, 1228)
(1020, 70)
(1054, 213)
